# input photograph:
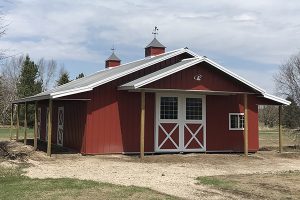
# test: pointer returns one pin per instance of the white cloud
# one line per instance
(259, 31)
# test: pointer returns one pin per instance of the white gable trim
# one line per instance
(197, 60)
(230, 73)
(277, 99)
(200, 59)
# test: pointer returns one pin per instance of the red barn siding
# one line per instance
(218, 135)
(114, 116)
(116, 122)
(212, 79)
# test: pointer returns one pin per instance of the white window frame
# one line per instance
(229, 121)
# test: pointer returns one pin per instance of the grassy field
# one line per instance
(270, 138)
(5, 133)
(283, 185)
(13, 185)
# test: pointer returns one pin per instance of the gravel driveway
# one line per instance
(171, 174)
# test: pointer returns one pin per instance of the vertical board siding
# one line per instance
(218, 135)
(113, 115)
(74, 122)
(212, 79)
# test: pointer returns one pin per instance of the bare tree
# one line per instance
(47, 69)
(9, 74)
(268, 115)
(288, 78)
(2, 32)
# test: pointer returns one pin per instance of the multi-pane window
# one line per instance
(169, 108)
(193, 108)
(236, 121)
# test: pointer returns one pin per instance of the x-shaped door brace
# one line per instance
(168, 136)
(193, 136)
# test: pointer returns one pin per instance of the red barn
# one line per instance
(174, 101)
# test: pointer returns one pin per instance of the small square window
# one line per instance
(236, 121)
(193, 109)
(168, 107)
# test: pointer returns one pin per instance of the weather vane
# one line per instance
(155, 31)
(113, 48)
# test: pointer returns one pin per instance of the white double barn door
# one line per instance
(180, 123)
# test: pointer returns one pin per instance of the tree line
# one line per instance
(21, 77)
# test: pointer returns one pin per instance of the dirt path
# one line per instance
(171, 174)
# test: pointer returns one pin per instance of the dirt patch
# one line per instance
(284, 185)
(291, 148)
(14, 151)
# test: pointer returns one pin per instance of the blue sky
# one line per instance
(251, 38)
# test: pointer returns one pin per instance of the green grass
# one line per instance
(216, 182)
(14, 185)
(5, 133)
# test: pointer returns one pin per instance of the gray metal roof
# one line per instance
(87, 83)
(113, 57)
(155, 43)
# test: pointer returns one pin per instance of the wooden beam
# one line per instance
(142, 135)
(18, 122)
(49, 127)
(11, 120)
(25, 123)
(35, 126)
(280, 128)
(246, 124)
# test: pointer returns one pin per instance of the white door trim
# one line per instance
(60, 126)
(181, 123)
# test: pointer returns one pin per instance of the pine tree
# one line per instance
(63, 78)
(28, 84)
(81, 75)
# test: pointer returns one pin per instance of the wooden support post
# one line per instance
(11, 120)
(35, 126)
(280, 128)
(246, 124)
(25, 123)
(18, 122)
(142, 136)
(49, 127)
